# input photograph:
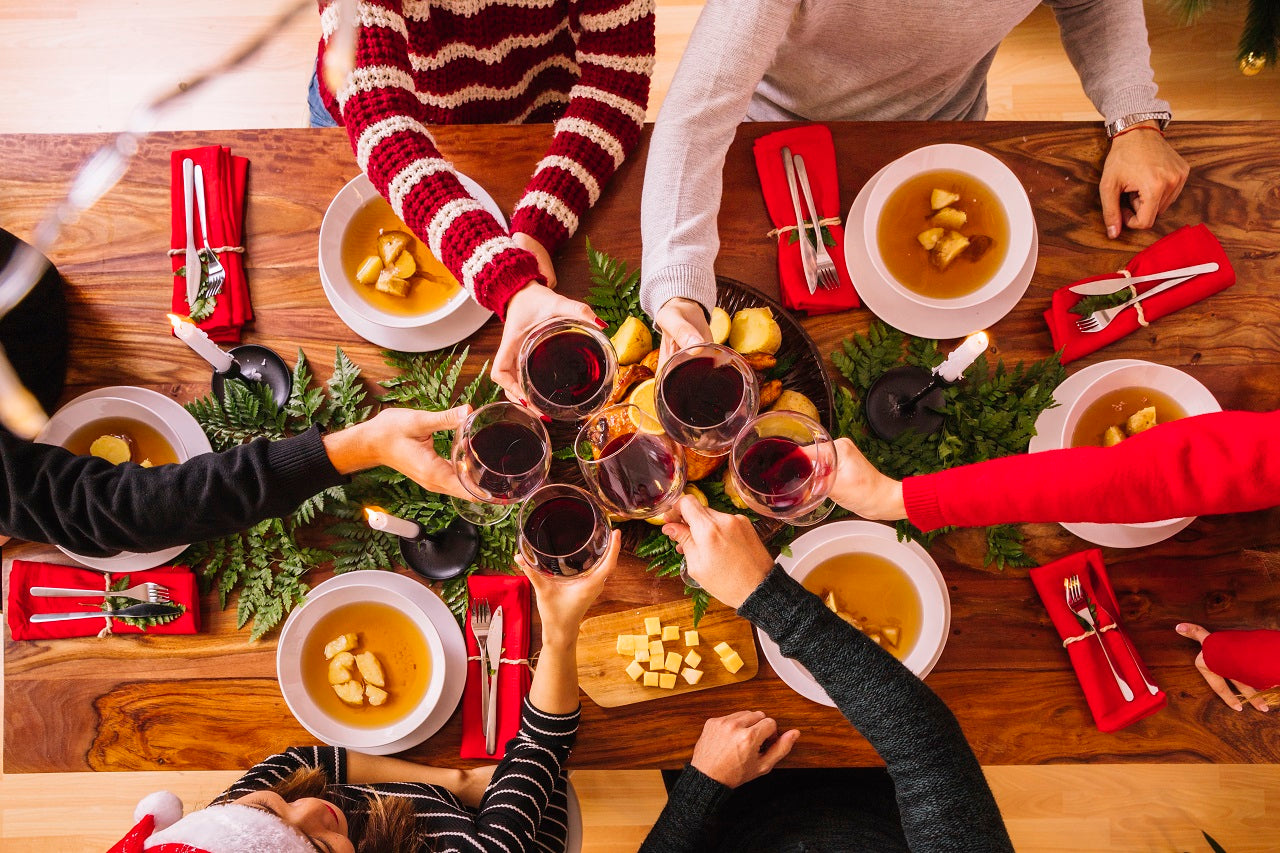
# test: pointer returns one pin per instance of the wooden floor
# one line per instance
(82, 65)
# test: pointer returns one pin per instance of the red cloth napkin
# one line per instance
(1110, 710)
(813, 143)
(514, 595)
(1189, 245)
(1249, 657)
(180, 580)
(225, 178)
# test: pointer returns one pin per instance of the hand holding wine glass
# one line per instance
(567, 369)
(683, 323)
(531, 306)
(723, 552)
(635, 468)
(501, 453)
(403, 439)
(783, 466)
(704, 396)
(859, 487)
(563, 532)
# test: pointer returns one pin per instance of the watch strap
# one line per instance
(1125, 122)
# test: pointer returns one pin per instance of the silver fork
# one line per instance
(153, 593)
(1100, 319)
(828, 278)
(807, 259)
(480, 617)
(216, 274)
(1080, 606)
(1128, 646)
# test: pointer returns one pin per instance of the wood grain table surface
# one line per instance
(211, 701)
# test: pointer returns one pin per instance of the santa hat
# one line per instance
(228, 828)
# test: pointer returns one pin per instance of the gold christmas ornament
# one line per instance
(1252, 64)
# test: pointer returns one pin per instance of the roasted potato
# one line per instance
(794, 401)
(950, 217)
(633, 341)
(754, 330)
(113, 448)
(367, 273)
(731, 492)
(720, 325)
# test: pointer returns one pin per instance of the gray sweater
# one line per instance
(844, 60)
(943, 802)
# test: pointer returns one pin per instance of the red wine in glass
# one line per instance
(706, 394)
(506, 450)
(564, 534)
(777, 470)
(636, 472)
(702, 393)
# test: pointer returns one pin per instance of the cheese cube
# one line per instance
(691, 638)
(657, 662)
(733, 662)
(651, 679)
(642, 641)
(635, 670)
(626, 644)
(723, 649)
(667, 681)
(673, 661)
(693, 658)
(693, 676)
(652, 625)
(670, 632)
(656, 649)
(642, 655)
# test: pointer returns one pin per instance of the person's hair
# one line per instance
(389, 827)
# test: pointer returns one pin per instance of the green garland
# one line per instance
(1260, 36)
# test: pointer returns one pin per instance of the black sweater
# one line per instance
(943, 801)
(92, 507)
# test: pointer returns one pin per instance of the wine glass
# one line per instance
(567, 369)
(635, 468)
(783, 465)
(501, 453)
(704, 396)
(563, 531)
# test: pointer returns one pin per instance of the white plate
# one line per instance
(455, 651)
(191, 441)
(912, 317)
(1049, 428)
(451, 327)
(868, 536)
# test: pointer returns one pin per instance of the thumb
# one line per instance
(451, 418)
(1192, 631)
(696, 517)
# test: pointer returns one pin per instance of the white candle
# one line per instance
(380, 519)
(193, 336)
(964, 355)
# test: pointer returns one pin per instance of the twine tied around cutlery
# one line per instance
(526, 661)
(173, 253)
(1133, 291)
(825, 222)
(106, 603)
(1087, 634)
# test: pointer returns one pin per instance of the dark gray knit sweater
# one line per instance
(943, 802)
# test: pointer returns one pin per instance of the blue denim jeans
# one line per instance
(319, 115)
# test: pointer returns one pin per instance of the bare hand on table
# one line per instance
(723, 552)
(730, 748)
(403, 439)
(530, 307)
(1217, 682)
(859, 487)
(1143, 163)
(682, 323)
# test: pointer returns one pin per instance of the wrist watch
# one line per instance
(1124, 122)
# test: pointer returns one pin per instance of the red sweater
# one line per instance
(1203, 465)
(583, 64)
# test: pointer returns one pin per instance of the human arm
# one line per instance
(729, 51)
(1106, 41)
(330, 760)
(1250, 660)
(92, 507)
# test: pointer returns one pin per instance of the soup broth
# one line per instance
(146, 443)
(1115, 408)
(433, 284)
(874, 594)
(400, 648)
(908, 212)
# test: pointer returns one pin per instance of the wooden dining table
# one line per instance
(211, 701)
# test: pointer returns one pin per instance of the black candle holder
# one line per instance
(905, 398)
(254, 363)
(444, 555)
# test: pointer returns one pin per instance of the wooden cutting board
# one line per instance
(602, 671)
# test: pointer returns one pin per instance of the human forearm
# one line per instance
(1106, 41)
(365, 769)
(682, 826)
(555, 682)
(1202, 465)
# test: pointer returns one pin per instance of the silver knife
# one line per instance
(494, 648)
(808, 260)
(136, 611)
(1112, 285)
(193, 257)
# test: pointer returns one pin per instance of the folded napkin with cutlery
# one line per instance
(515, 671)
(180, 581)
(1111, 712)
(812, 142)
(1189, 245)
(225, 178)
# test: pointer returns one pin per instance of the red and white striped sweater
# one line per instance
(584, 64)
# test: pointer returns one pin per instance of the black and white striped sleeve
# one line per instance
(266, 773)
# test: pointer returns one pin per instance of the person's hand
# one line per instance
(723, 552)
(473, 783)
(403, 439)
(563, 603)
(1217, 682)
(539, 251)
(732, 749)
(534, 304)
(860, 488)
(1144, 164)
(682, 323)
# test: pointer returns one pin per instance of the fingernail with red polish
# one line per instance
(601, 323)
(524, 402)
(545, 418)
